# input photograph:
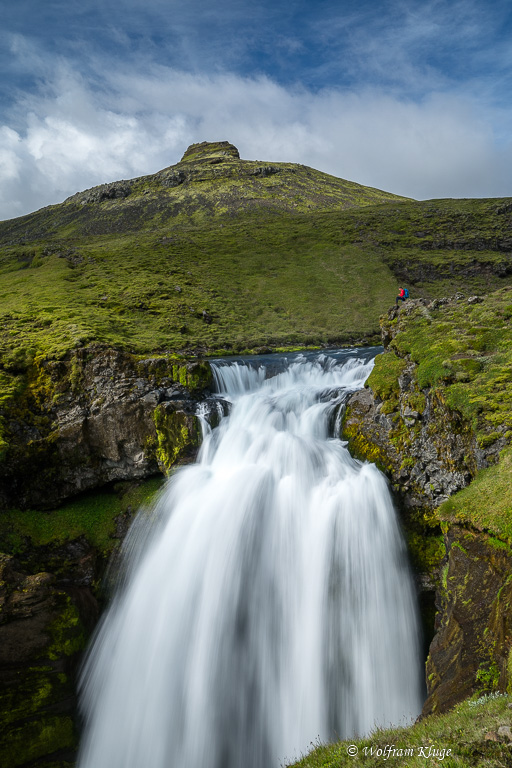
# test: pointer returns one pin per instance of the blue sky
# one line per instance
(410, 96)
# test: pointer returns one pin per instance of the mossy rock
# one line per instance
(28, 744)
(178, 436)
(43, 629)
(471, 649)
(41, 638)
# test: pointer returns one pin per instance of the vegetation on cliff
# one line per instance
(439, 424)
(51, 567)
(95, 516)
(462, 348)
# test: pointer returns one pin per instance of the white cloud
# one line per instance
(74, 134)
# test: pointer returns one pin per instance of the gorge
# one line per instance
(114, 305)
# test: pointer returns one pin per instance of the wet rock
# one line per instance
(91, 420)
(471, 648)
(429, 452)
(434, 450)
(41, 637)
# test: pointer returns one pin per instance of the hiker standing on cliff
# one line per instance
(403, 294)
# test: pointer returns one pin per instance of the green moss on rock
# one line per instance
(178, 436)
(41, 738)
(360, 444)
(426, 550)
(92, 515)
(471, 649)
(67, 635)
(383, 380)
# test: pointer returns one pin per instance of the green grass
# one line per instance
(293, 257)
(91, 515)
(467, 351)
(487, 502)
(464, 737)
(266, 280)
(383, 380)
(263, 284)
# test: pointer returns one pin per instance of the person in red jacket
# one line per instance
(401, 295)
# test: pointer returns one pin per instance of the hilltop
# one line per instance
(210, 182)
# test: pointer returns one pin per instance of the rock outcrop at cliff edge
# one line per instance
(406, 421)
(99, 416)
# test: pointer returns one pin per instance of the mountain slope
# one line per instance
(210, 183)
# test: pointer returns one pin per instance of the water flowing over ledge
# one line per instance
(267, 600)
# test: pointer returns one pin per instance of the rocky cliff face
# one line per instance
(99, 416)
(429, 452)
(473, 642)
(52, 588)
(43, 626)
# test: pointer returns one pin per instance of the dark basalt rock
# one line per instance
(117, 190)
(43, 629)
(265, 170)
(173, 178)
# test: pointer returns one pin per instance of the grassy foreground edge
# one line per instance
(477, 732)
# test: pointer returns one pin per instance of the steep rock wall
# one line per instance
(471, 649)
(43, 626)
(430, 451)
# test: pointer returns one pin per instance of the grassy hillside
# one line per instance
(219, 253)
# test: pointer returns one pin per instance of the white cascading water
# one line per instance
(266, 600)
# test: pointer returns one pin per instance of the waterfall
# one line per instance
(266, 600)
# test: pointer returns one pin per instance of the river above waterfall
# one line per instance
(265, 602)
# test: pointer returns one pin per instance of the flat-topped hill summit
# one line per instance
(210, 150)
